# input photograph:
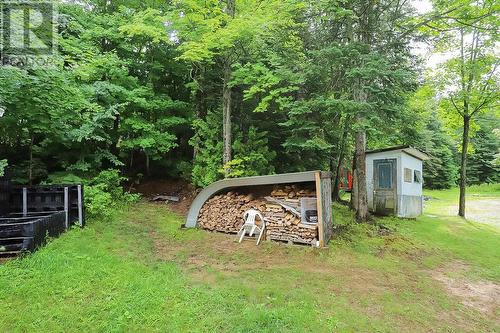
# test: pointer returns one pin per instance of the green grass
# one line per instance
(473, 242)
(141, 272)
(472, 192)
(443, 199)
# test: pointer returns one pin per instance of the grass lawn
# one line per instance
(140, 272)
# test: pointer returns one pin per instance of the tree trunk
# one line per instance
(115, 147)
(360, 174)
(360, 95)
(338, 168)
(354, 190)
(200, 114)
(361, 197)
(148, 171)
(463, 167)
(336, 180)
(201, 104)
(226, 116)
(227, 155)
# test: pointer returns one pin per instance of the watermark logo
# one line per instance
(28, 32)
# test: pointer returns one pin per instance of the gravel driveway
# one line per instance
(484, 210)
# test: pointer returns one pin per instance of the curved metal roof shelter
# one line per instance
(227, 184)
(321, 179)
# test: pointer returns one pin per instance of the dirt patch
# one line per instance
(219, 253)
(4, 260)
(185, 191)
(220, 256)
(483, 296)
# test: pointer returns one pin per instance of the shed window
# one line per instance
(385, 175)
(417, 176)
(408, 175)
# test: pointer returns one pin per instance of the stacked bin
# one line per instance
(30, 214)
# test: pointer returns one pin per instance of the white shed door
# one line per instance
(384, 186)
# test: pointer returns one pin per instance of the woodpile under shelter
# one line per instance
(394, 181)
(297, 207)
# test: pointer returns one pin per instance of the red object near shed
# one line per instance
(346, 180)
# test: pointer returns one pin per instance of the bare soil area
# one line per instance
(482, 295)
(186, 193)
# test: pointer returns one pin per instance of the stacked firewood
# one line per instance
(281, 211)
(286, 226)
(225, 212)
(286, 200)
(292, 193)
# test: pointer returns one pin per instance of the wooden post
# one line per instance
(25, 201)
(319, 205)
(80, 206)
(66, 206)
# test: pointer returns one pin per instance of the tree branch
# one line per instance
(429, 20)
(456, 107)
(483, 90)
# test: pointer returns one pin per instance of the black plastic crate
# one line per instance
(48, 198)
(30, 214)
(28, 233)
(19, 244)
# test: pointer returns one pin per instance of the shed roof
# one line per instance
(404, 148)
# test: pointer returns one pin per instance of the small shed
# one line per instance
(394, 181)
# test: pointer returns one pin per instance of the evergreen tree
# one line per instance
(441, 170)
(425, 130)
(482, 166)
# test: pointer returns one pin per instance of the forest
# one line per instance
(205, 89)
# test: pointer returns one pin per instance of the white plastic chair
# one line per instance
(250, 226)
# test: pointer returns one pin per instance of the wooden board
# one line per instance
(326, 200)
(319, 196)
(324, 203)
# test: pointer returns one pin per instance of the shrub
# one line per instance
(252, 156)
(3, 165)
(105, 192)
(64, 178)
(208, 145)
